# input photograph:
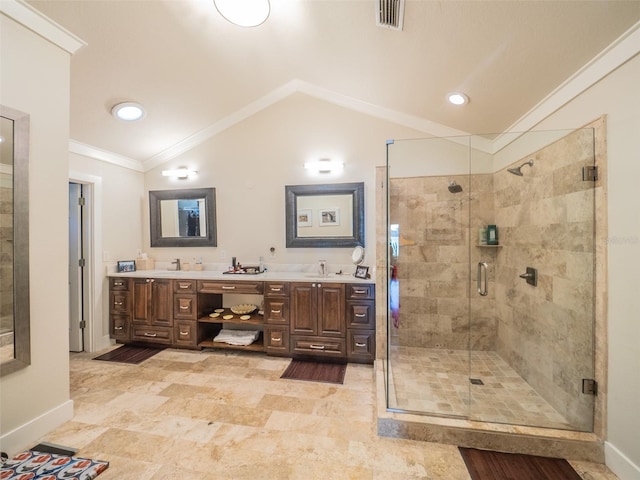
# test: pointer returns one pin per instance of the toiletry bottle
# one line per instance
(492, 235)
(482, 236)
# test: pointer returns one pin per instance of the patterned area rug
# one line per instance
(315, 371)
(489, 465)
(45, 466)
(130, 354)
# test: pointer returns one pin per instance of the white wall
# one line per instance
(35, 80)
(250, 164)
(618, 96)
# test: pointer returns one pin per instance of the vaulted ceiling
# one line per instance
(193, 71)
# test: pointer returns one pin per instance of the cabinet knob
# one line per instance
(228, 287)
(275, 311)
(147, 334)
(360, 344)
(118, 284)
(316, 347)
(276, 339)
(118, 328)
(359, 291)
(182, 285)
(118, 304)
(274, 289)
(184, 334)
(360, 315)
(184, 307)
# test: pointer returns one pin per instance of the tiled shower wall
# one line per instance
(545, 220)
(433, 262)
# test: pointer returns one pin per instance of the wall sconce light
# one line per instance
(324, 165)
(181, 173)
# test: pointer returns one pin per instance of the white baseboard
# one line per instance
(27, 435)
(620, 464)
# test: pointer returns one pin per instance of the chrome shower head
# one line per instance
(518, 170)
(454, 187)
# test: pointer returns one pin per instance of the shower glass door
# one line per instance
(495, 328)
(428, 341)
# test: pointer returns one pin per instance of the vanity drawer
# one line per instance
(276, 289)
(361, 314)
(119, 327)
(145, 333)
(184, 307)
(184, 286)
(185, 334)
(318, 346)
(361, 346)
(213, 286)
(119, 283)
(361, 290)
(276, 340)
(276, 311)
(120, 302)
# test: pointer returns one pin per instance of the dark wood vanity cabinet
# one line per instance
(317, 326)
(300, 319)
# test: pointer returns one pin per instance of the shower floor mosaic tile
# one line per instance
(437, 381)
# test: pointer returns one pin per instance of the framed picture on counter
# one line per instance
(126, 266)
(362, 272)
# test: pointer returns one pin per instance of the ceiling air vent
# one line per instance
(390, 13)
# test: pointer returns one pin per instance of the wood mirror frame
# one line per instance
(209, 239)
(353, 239)
(20, 239)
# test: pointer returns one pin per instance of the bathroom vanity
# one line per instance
(302, 316)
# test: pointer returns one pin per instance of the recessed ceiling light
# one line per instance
(128, 111)
(457, 98)
(244, 13)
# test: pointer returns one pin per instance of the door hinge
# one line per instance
(81, 201)
(83, 324)
(81, 263)
(589, 386)
(589, 173)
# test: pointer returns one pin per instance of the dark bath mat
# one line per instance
(490, 465)
(130, 354)
(315, 371)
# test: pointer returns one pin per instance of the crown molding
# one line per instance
(104, 155)
(35, 21)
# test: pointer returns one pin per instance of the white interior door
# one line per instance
(76, 321)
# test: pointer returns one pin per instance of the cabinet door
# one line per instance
(330, 310)
(142, 301)
(162, 302)
(303, 308)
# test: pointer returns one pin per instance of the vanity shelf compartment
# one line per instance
(254, 320)
(210, 330)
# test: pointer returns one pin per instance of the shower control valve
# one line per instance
(531, 276)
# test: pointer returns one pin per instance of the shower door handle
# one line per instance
(482, 279)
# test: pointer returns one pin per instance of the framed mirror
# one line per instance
(183, 218)
(15, 322)
(325, 216)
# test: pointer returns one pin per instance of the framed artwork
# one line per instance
(126, 266)
(305, 218)
(362, 272)
(329, 216)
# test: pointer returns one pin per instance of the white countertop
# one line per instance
(269, 276)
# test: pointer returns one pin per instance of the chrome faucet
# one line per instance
(176, 262)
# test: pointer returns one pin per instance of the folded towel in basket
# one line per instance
(237, 337)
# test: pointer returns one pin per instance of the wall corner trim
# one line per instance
(620, 464)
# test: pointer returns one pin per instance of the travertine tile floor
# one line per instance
(226, 415)
(434, 380)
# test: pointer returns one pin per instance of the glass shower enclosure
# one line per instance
(491, 281)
